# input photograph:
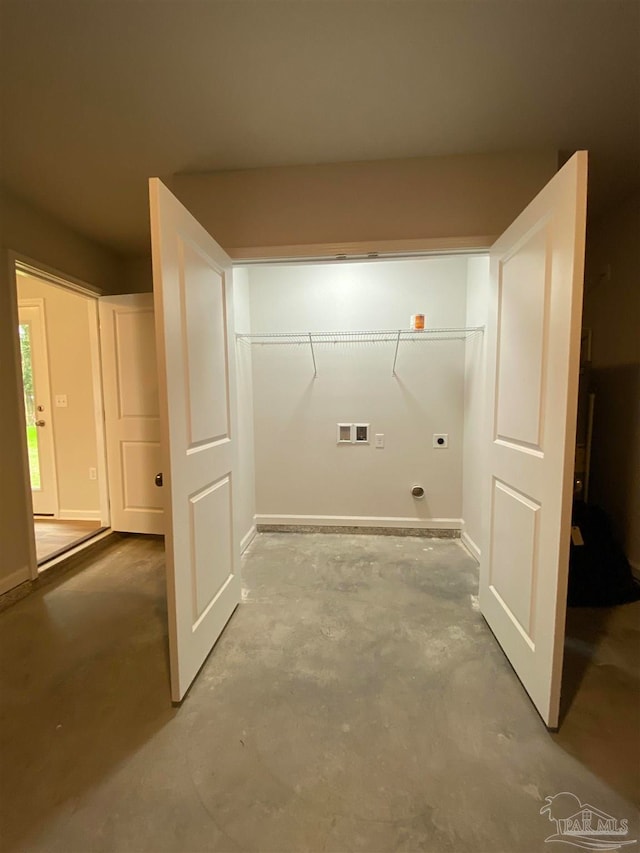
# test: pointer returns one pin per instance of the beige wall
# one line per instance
(70, 371)
(137, 274)
(349, 204)
(44, 239)
(434, 197)
(612, 311)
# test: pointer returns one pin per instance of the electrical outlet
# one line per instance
(441, 440)
(61, 401)
(93, 474)
(379, 441)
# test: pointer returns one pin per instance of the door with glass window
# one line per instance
(37, 403)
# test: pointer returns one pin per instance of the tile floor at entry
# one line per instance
(355, 702)
(55, 534)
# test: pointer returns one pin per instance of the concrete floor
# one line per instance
(355, 702)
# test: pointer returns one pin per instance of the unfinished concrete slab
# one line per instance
(356, 702)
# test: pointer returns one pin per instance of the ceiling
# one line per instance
(98, 95)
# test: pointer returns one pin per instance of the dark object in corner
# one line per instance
(599, 573)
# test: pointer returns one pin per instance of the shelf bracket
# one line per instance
(313, 356)
(395, 355)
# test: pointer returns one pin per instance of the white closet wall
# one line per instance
(302, 475)
(245, 511)
(474, 400)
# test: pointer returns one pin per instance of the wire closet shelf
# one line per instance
(367, 336)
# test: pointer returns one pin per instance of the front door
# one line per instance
(533, 349)
(37, 402)
(192, 284)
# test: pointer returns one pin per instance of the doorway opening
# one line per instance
(64, 434)
(326, 352)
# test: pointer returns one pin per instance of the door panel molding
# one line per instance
(132, 412)
(192, 281)
(533, 349)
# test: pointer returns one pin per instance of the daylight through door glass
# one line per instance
(30, 404)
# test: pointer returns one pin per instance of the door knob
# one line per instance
(158, 479)
(40, 423)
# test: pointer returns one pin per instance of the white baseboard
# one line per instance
(248, 538)
(14, 579)
(361, 521)
(470, 545)
(79, 515)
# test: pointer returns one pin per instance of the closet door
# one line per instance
(131, 413)
(194, 338)
(533, 347)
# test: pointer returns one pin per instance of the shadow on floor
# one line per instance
(600, 704)
(585, 628)
(84, 665)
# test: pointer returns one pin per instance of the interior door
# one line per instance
(533, 349)
(131, 412)
(37, 400)
(194, 332)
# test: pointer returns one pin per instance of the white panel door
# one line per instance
(131, 412)
(533, 349)
(37, 403)
(194, 323)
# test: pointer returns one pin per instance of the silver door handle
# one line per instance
(41, 423)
